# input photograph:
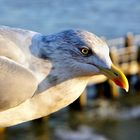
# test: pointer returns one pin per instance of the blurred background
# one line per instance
(106, 112)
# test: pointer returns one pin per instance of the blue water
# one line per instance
(109, 18)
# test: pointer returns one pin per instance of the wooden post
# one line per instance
(137, 85)
(107, 90)
(129, 43)
(138, 58)
(113, 89)
(80, 103)
(114, 56)
(128, 40)
(40, 120)
(2, 133)
(100, 90)
(40, 127)
(2, 130)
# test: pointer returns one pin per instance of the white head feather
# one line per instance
(63, 51)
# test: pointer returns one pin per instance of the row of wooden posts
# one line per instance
(125, 54)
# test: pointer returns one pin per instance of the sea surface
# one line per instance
(100, 120)
(109, 18)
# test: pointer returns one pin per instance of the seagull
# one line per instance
(40, 74)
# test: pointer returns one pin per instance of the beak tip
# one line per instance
(127, 89)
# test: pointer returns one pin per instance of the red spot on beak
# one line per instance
(118, 82)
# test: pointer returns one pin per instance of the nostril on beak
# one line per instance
(116, 74)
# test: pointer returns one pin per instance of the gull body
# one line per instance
(41, 74)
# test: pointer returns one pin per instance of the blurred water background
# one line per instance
(101, 119)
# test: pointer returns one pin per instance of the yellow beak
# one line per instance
(116, 75)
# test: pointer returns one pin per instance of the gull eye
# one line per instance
(86, 51)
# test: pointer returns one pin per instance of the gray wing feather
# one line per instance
(15, 42)
(17, 83)
(19, 36)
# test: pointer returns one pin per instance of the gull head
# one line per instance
(79, 53)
